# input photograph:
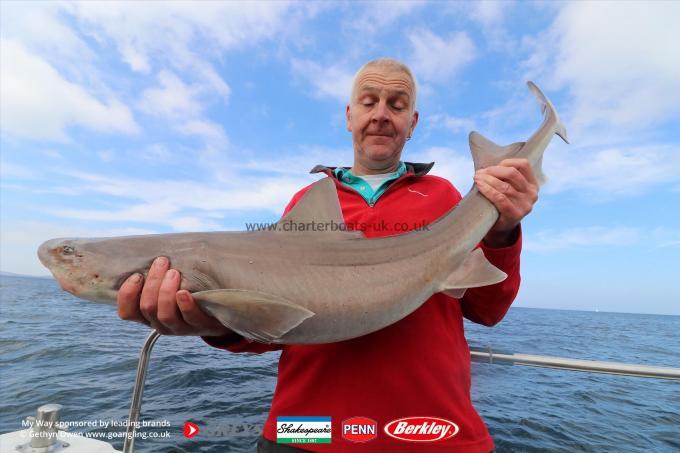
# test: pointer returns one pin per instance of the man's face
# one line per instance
(381, 117)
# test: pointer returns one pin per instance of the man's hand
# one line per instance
(512, 187)
(159, 304)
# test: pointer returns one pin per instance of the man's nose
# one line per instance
(380, 113)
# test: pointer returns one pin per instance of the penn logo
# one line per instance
(421, 429)
(359, 429)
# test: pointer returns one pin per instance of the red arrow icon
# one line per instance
(190, 430)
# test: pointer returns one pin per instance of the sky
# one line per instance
(140, 118)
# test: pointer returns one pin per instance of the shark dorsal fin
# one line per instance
(486, 153)
(319, 205)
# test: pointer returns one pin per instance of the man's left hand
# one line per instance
(512, 187)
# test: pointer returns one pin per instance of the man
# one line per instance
(419, 366)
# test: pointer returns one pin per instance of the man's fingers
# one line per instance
(148, 302)
(194, 316)
(127, 299)
(167, 312)
(499, 185)
(523, 166)
(502, 200)
(158, 304)
(510, 175)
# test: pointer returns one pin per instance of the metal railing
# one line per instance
(593, 366)
(136, 406)
(477, 355)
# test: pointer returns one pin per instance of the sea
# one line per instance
(55, 348)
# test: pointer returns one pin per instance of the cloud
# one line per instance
(53, 153)
(147, 34)
(16, 171)
(618, 61)
(156, 152)
(600, 236)
(172, 98)
(666, 237)
(34, 189)
(611, 172)
(181, 104)
(449, 164)
(438, 59)
(57, 80)
(38, 103)
(452, 123)
(39, 27)
(593, 236)
(327, 81)
(489, 13)
(20, 241)
(262, 184)
(210, 131)
(379, 16)
(143, 212)
(105, 155)
(298, 163)
(197, 223)
(178, 203)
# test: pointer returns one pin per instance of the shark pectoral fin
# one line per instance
(320, 206)
(475, 271)
(455, 293)
(255, 315)
(486, 153)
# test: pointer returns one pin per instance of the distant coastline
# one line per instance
(12, 274)
(597, 311)
(515, 306)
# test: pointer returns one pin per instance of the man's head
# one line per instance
(381, 114)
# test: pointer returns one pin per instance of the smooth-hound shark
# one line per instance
(308, 287)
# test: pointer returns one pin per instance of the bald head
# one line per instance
(386, 66)
(381, 115)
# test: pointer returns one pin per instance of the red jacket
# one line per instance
(419, 366)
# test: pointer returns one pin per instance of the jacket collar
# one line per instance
(412, 168)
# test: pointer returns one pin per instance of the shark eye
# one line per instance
(67, 250)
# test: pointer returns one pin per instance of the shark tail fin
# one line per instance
(562, 132)
(547, 108)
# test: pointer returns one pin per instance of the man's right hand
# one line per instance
(158, 302)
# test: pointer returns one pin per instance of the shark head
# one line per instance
(82, 268)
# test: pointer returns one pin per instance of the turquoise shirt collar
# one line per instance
(358, 183)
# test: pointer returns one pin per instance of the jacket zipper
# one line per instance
(372, 204)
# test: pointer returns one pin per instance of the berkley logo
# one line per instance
(421, 429)
(359, 429)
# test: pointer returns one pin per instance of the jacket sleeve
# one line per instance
(234, 342)
(487, 305)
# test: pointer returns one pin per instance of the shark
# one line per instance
(309, 286)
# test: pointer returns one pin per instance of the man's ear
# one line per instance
(348, 115)
(414, 122)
